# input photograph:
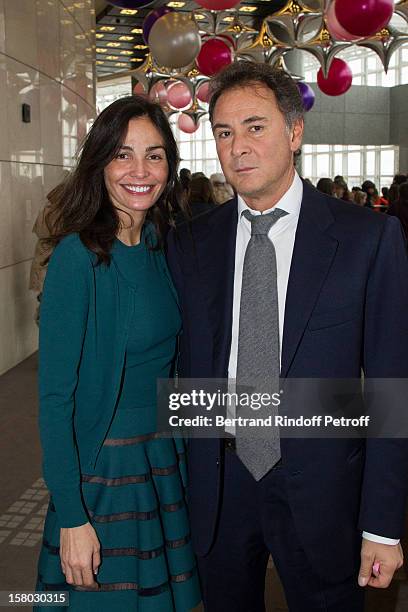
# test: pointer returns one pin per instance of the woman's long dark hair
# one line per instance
(82, 203)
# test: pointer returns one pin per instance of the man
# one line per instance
(338, 275)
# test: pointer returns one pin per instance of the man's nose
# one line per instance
(239, 145)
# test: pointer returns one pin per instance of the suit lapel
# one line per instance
(215, 245)
(313, 254)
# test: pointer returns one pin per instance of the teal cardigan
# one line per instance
(84, 325)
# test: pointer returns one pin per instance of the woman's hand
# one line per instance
(80, 555)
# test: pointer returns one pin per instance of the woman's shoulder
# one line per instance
(72, 249)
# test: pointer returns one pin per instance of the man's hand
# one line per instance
(389, 557)
(80, 555)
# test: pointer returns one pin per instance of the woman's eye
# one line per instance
(155, 157)
(122, 156)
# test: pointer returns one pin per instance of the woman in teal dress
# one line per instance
(116, 534)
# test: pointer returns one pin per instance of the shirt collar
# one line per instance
(290, 201)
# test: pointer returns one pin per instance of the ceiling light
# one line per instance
(101, 50)
(247, 9)
(121, 64)
(113, 44)
(176, 4)
(128, 11)
(107, 28)
(99, 35)
(112, 57)
(126, 52)
(127, 38)
(137, 31)
(140, 46)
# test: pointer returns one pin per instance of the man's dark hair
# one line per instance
(244, 73)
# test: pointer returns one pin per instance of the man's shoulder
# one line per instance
(186, 228)
(345, 214)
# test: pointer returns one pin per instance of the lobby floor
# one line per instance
(24, 499)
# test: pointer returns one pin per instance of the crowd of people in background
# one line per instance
(204, 193)
(393, 200)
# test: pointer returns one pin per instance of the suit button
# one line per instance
(217, 463)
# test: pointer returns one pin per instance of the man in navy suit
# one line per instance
(328, 510)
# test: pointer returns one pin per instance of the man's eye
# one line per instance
(256, 128)
(224, 134)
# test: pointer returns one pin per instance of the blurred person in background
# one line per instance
(400, 207)
(325, 185)
(222, 190)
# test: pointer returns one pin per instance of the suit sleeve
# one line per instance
(63, 318)
(385, 483)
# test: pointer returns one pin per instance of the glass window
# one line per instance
(372, 79)
(210, 148)
(185, 150)
(404, 75)
(354, 164)
(389, 79)
(387, 162)
(323, 165)
(338, 164)
(370, 162)
(356, 66)
(307, 166)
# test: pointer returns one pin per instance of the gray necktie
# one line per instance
(258, 342)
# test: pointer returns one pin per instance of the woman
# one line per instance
(116, 534)
(325, 185)
(223, 192)
(201, 196)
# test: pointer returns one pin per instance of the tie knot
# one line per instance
(261, 224)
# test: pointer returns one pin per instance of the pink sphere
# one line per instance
(335, 28)
(363, 17)
(218, 5)
(338, 80)
(178, 95)
(214, 55)
(139, 90)
(158, 93)
(203, 92)
(187, 124)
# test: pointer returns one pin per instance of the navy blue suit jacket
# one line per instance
(346, 309)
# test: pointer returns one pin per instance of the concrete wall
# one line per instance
(359, 117)
(46, 61)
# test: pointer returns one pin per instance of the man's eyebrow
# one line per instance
(254, 118)
(244, 122)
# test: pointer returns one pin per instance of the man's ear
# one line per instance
(296, 134)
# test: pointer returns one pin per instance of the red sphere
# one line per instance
(214, 55)
(363, 17)
(218, 5)
(338, 80)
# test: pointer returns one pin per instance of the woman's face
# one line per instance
(138, 174)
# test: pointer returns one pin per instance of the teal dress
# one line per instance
(135, 496)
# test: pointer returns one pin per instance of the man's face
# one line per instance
(254, 144)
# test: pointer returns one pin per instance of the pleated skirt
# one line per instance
(136, 501)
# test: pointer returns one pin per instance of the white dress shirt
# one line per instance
(282, 234)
